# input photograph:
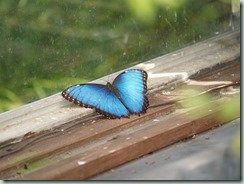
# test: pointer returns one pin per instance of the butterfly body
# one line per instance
(125, 96)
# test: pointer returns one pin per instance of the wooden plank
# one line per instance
(75, 133)
(104, 143)
(129, 145)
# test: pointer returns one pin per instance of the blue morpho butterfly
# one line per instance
(125, 96)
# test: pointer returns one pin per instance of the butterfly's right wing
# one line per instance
(96, 96)
(131, 86)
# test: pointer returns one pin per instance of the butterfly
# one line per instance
(125, 96)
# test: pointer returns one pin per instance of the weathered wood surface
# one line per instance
(52, 139)
(85, 147)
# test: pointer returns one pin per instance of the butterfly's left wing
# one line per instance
(131, 86)
(96, 96)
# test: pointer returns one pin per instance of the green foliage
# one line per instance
(192, 98)
(231, 109)
(48, 45)
(228, 108)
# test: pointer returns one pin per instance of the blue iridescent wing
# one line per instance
(131, 86)
(96, 96)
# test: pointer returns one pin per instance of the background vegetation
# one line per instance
(48, 45)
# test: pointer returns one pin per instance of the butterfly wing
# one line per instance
(131, 86)
(96, 96)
